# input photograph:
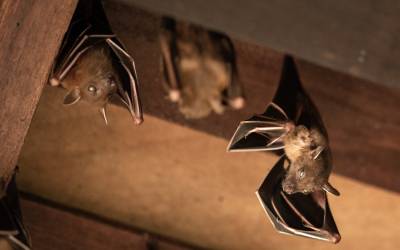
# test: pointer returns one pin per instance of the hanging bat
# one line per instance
(13, 234)
(301, 135)
(94, 66)
(199, 69)
(306, 215)
(292, 127)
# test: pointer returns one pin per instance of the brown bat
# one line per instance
(292, 127)
(199, 68)
(94, 66)
(13, 234)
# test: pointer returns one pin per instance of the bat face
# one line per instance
(199, 68)
(305, 176)
(99, 90)
(92, 79)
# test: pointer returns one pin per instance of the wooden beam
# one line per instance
(361, 117)
(30, 35)
(55, 227)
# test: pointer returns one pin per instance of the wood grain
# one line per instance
(30, 35)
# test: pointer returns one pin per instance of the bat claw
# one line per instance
(103, 113)
(237, 103)
(138, 121)
(174, 95)
(54, 82)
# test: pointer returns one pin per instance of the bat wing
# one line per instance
(89, 18)
(11, 226)
(290, 103)
(129, 91)
(226, 50)
(294, 100)
(260, 132)
(85, 42)
(168, 52)
(297, 214)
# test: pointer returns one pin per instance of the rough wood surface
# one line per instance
(361, 117)
(30, 35)
(52, 227)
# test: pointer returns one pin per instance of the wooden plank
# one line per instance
(359, 37)
(361, 117)
(30, 35)
(52, 227)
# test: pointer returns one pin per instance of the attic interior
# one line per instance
(170, 183)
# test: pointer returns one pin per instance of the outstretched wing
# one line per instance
(297, 214)
(11, 226)
(261, 132)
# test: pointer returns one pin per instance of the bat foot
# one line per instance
(138, 121)
(174, 95)
(237, 103)
(54, 82)
(335, 238)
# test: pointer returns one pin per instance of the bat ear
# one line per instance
(330, 189)
(72, 97)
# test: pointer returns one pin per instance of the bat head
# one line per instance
(306, 175)
(92, 79)
(306, 215)
(96, 91)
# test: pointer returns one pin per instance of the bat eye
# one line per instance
(92, 89)
(301, 173)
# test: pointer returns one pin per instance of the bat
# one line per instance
(13, 234)
(199, 69)
(94, 66)
(292, 127)
(299, 132)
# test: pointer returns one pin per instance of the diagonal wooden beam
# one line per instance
(30, 35)
(361, 116)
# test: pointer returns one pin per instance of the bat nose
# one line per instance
(288, 187)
